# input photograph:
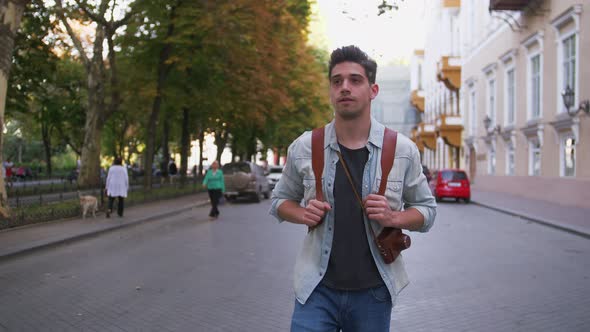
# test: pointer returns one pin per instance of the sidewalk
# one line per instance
(567, 218)
(21, 240)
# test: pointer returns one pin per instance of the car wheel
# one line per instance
(467, 200)
(437, 198)
(256, 197)
(267, 195)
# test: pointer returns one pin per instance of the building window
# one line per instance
(569, 157)
(492, 102)
(569, 62)
(420, 77)
(472, 114)
(535, 158)
(510, 160)
(535, 86)
(492, 162)
(510, 96)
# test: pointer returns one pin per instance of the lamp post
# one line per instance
(487, 122)
(569, 99)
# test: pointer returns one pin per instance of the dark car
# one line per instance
(245, 179)
(451, 183)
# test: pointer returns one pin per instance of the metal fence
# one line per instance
(51, 203)
(49, 191)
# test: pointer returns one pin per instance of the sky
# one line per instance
(389, 38)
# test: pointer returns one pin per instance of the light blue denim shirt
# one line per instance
(406, 188)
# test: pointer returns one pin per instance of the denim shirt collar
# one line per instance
(375, 135)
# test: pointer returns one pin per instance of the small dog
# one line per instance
(88, 202)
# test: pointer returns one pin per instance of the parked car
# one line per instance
(451, 183)
(274, 174)
(245, 179)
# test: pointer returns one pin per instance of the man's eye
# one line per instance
(336, 82)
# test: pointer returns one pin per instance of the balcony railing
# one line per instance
(508, 4)
(417, 100)
(449, 72)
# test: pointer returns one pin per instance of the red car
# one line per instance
(451, 183)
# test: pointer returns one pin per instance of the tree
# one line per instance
(11, 12)
(45, 92)
(97, 111)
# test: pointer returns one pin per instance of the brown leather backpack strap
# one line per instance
(387, 157)
(317, 160)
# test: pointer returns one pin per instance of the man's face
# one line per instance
(350, 90)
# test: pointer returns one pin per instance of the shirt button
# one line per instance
(326, 252)
(321, 274)
(329, 228)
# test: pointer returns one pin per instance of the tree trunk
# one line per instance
(201, 143)
(46, 138)
(221, 142)
(184, 144)
(163, 70)
(90, 158)
(165, 148)
(276, 155)
(11, 13)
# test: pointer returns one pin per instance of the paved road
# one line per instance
(477, 270)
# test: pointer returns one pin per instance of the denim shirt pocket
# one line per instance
(308, 189)
(393, 192)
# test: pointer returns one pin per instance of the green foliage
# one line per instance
(241, 67)
(45, 94)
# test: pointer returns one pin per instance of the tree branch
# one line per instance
(75, 40)
(89, 13)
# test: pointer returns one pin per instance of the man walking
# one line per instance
(341, 280)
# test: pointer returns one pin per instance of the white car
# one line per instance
(274, 174)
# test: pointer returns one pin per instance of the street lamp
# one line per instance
(568, 101)
(487, 122)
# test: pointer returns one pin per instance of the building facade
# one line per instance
(435, 87)
(392, 106)
(517, 58)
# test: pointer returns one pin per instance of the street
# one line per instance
(476, 270)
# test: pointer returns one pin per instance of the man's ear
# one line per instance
(374, 90)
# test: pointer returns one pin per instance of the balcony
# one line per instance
(449, 128)
(508, 4)
(449, 72)
(417, 100)
(451, 3)
(416, 139)
(427, 135)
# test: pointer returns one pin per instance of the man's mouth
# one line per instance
(345, 99)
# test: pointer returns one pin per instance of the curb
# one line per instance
(585, 233)
(90, 234)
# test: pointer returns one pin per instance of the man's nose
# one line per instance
(345, 86)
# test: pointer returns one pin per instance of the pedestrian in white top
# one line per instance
(117, 186)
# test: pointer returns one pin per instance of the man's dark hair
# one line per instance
(354, 54)
(118, 161)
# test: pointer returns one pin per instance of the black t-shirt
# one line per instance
(351, 265)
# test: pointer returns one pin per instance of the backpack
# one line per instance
(391, 241)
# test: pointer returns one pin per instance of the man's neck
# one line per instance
(353, 134)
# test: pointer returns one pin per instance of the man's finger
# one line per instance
(315, 210)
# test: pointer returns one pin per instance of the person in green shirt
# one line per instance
(215, 185)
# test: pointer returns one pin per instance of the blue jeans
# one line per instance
(334, 310)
